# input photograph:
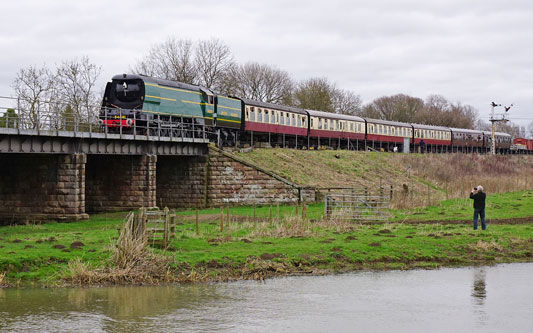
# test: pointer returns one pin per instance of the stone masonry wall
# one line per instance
(181, 181)
(36, 187)
(231, 181)
(115, 183)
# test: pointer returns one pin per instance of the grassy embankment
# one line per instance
(444, 176)
(56, 253)
(41, 254)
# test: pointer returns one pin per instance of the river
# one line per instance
(474, 299)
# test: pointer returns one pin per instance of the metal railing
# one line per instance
(51, 119)
(357, 207)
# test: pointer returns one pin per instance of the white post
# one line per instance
(493, 142)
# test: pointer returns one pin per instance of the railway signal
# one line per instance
(494, 118)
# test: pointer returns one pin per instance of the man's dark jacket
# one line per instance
(479, 200)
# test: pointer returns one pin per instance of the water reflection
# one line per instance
(401, 301)
(107, 309)
(479, 295)
(479, 287)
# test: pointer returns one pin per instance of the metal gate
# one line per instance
(357, 207)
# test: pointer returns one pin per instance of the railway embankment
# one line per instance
(257, 242)
(417, 180)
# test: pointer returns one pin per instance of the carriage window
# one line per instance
(259, 115)
(252, 114)
(273, 119)
(304, 120)
(293, 123)
(393, 132)
(281, 119)
(299, 119)
(266, 116)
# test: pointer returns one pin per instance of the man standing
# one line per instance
(479, 205)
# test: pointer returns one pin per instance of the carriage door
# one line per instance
(406, 145)
(209, 106)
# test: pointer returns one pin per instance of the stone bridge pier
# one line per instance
(42, 186)
(120, 182)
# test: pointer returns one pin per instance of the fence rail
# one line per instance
(47, 119)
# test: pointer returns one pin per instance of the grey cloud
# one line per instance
(469, 51)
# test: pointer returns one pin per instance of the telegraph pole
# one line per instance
(494, 118)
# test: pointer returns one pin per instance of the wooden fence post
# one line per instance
(166, 228)
(197, 227)
(428, 196)
(221, 219)
(270, 216)
(227, 216)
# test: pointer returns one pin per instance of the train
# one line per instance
(522, 146)
(145, 105)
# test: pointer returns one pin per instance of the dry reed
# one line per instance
(487, 246)
(454, 176)
(131, 262)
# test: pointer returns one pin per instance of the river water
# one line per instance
(480, 299)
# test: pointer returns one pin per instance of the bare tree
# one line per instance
(32, 86)
(530, 130)
(213, 60)
(170, 60)
(346, 102)
(315, 94)
(259, 82)
(75, 84)
(398, 108)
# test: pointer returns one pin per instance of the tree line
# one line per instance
(58, 98)
(70, 87)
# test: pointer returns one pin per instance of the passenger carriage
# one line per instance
(279, 125)
(388, 134)
(436, 138)
(467, 140)
(335, 130)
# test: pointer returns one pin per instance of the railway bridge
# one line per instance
(55, 167)
(65, 174)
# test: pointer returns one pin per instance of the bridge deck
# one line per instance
(13, 140)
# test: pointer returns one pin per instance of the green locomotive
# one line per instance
(146, 105)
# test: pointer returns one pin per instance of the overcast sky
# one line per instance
(469, 51)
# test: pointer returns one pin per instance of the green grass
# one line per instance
(498, 206)
(27, 256)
